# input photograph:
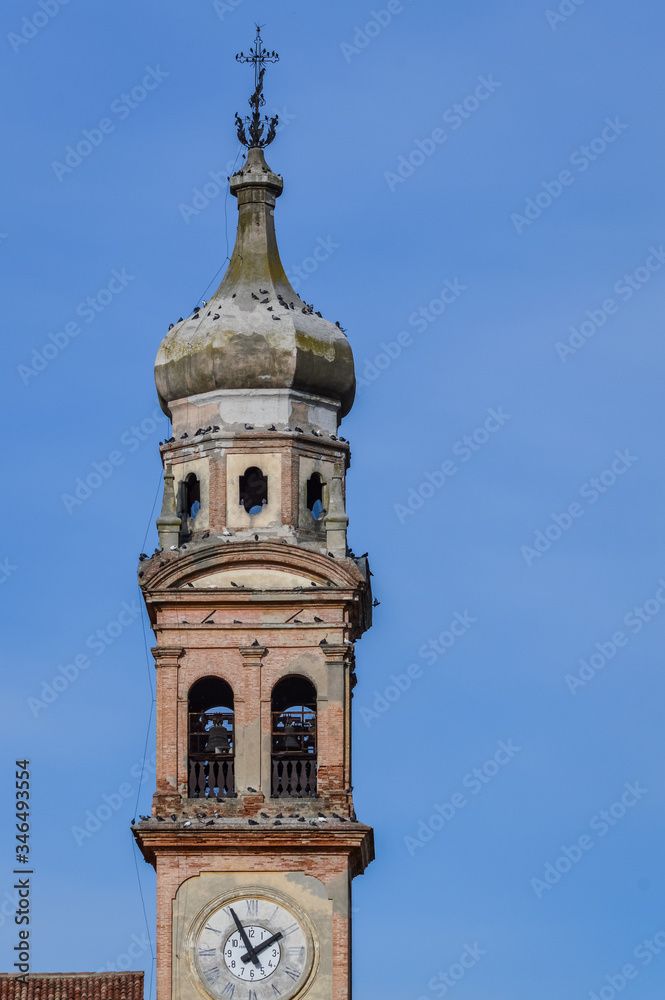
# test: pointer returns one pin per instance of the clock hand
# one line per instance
(251, 954)
(266, 944)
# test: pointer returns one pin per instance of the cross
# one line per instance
(258, 55)
(261, 133)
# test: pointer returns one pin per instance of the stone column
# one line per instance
(166, 798)
(248, 728)
(336, 522)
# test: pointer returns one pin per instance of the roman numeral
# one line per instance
(206, 951)
(252, 995)
(208, 927)
(292, 973)
(290, 929)
(252, 907)
(294, 952)
(275, 991)
(273, 914)
(212, 975)
(228, 990)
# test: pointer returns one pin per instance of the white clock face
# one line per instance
(252, 948)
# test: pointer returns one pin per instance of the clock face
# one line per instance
(252, 948)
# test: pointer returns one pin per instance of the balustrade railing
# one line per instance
(211, 777)
(293, 777)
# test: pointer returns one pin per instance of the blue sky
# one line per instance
(527, 225)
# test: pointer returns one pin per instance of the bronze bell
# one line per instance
(218, 740)
(291, 741)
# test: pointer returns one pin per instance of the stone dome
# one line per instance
(255, 332)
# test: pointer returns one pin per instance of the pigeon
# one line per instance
(302, 819)
(276, 317)
(256, 643)
(322, 816)
(312, 584)
(272, 427)
(233, 584)
(324, 642)
(250, 789)
(256, 538)
(293, 815)
(299, 430)
(265, 816)
(173, 817)
(263, 301)
(333, 437)
(207, 534)
(264, 291)
(255, 296)
(225, 532)
(236, 622)
(375, 603)
(190, 584)
(184, 435)
(331, 555)
(279, 816)
(216, 316)
(353, 819)
(249, 427)
(319, 620)
(160, 819)
(210, 822)
(171, 325)
(312, 822)
(344, 440)
(197, 309)
(133, 821)
(143, 556)
(214, 428)
(252, 822)
(277, 822)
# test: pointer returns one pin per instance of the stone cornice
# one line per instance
(355, 840)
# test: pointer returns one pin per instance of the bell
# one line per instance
(218, 740)
(291, 742)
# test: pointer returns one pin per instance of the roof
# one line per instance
(73, 986)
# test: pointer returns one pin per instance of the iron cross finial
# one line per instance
(253, 125)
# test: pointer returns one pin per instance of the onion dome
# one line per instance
(255, 332)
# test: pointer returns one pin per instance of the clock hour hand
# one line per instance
(251, 954)
(266, 944)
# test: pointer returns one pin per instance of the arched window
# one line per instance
(253, 490)
(293, 738)
(211, 739)
(315, 496)
(189, 504)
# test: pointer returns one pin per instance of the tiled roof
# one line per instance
(73, 986)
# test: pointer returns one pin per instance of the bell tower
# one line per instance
(256, 603)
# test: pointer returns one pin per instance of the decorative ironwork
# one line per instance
(261, 131)
(294, 753)
(211, 756)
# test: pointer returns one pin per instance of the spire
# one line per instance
(256, 128)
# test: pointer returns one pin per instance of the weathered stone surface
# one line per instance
(244, 337)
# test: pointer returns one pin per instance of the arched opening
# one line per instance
(211, 739)
(253, 490)
(293, 738)
(189, 504)
(315, 496)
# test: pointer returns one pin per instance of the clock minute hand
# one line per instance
(251, 954)
(266, 944)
